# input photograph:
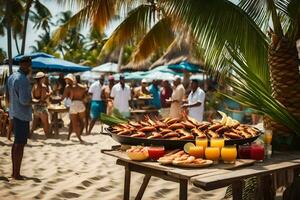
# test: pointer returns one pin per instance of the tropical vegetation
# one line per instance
(251, 45)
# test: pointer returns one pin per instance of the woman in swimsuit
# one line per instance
(40, 111)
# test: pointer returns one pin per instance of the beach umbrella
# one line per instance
(186, 66)
(158, 75)
(89, 76)
(49, 63)
(106, 68)
(199, 77)
(163, 68)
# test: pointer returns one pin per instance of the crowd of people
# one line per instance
(28, 102)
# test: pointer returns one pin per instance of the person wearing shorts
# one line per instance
(18, 93)
(97, 103)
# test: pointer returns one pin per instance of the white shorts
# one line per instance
(77, 107)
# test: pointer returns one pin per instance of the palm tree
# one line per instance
(234, 38)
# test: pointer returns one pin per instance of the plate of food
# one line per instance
(175, 133)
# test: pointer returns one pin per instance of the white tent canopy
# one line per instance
(106, 68)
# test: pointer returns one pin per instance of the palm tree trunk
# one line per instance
(8, 28)
(28, 5)
(285, 79)
(16, 43)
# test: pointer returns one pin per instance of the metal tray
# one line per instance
(168, 144)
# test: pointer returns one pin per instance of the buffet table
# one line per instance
(54, 111)
(212, 177)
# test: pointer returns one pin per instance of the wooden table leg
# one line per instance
(183, 189)
(237, 190)
(127, 183)
(143, 187)
(268, 186)
(55, 123)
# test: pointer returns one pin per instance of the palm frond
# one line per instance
(135, 25)
(96, 12)
(219, 22)
(77, 20)
(250, 91)
(258, 11)
(159, 37)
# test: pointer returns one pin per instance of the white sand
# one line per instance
(61, 169)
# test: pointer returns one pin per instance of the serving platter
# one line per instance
(167, 143)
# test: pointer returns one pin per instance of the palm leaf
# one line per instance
(135, 25)
(96, 12)
(251, 92)
(216, 23)
(159, 37)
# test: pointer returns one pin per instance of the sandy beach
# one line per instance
(62, 169)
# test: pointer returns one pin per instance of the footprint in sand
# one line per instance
(69, 195)
(103, 189)
(97, 178)
(86, 183)
(80, 188)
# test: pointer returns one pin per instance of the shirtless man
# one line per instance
(77, 109)
(40, 96)
(105, 94)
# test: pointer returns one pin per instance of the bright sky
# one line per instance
(32, 34)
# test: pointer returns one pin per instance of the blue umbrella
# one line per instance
(46, 62)
(186, 66)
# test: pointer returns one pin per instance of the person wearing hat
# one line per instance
(97, 103)
(18, 94)
(142, 90)
(77, 109)
(177, 98)
(105, 94)
(40, 96)
(196, 100)
(121, 94)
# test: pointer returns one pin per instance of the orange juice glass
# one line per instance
(197, 151)
(202, 142)
(212, 153)
(217, 142)
(229, 154)
(268, 137)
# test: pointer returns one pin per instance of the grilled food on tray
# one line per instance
(180, 158)
(186, 129)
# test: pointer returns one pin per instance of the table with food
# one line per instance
(141, 106)
(54, 110)
(181, 149)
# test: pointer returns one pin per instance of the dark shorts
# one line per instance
(21, 131)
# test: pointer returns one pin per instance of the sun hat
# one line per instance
(39, 75)
(70, 77)
(144, 81)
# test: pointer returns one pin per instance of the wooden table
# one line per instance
(208, 178)
(54, 121)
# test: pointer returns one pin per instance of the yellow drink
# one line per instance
(268, 137)
(217, 142)
(229, 154)
(212, 153)
(202, 142)
(196, 151)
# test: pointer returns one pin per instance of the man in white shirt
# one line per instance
(177, 98)
(196, 100)
(121, 94)
(97, 105)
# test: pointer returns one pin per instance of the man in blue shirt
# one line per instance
(155, 93)
(18, 94)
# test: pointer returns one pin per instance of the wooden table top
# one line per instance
(215, 176)
(140, 111)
